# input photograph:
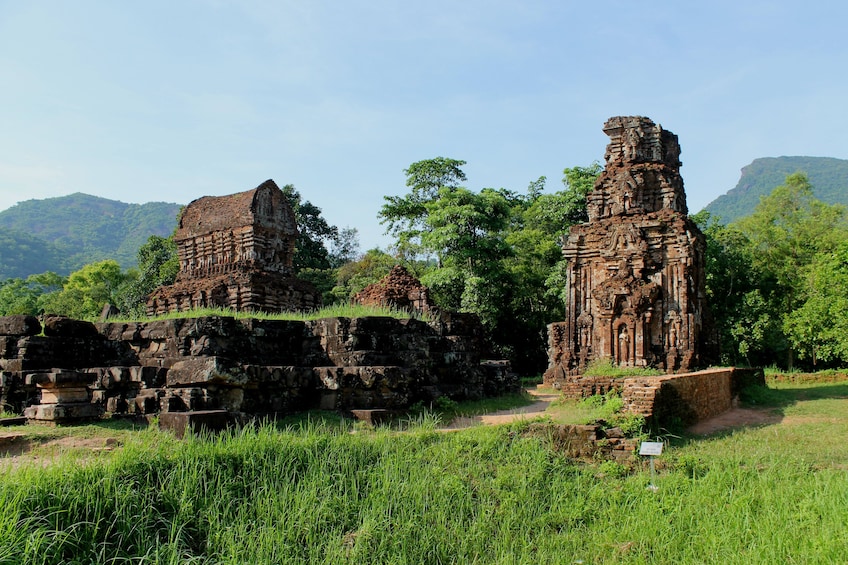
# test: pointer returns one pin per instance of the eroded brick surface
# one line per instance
(236, 252)
(399, 289)
(636, 290)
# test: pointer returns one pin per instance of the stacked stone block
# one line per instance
(254, 367)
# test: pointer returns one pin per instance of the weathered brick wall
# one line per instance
(687, 398)
(581, 387)
(682, 399)
(253, 366)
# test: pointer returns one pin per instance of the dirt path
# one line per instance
(736, 418)
(543, 400)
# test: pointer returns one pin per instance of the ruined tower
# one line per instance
(636, 268)
(236, 252)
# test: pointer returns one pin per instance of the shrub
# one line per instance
(609, 409)
(606, 368)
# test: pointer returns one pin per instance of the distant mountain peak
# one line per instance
(828, 175)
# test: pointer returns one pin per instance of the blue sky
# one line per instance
(170, 101)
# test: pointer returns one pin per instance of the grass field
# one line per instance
(316, 493)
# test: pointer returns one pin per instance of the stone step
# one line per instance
(196, 420)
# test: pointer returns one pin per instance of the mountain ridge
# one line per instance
(67, 232)
(828, 175)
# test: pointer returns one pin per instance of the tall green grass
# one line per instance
(314, 493)
(347, 310)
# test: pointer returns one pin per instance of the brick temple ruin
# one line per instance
(399, 289)
(236, 252)
(636, 293)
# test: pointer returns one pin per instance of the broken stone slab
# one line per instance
(19, 325)
(63, 413)
(196, 421)
(59, 378)
(205, 370)
(63, 326)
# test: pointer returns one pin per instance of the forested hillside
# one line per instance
(22, 254)
(828, 176)
(63, 234)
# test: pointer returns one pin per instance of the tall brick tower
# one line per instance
(636, 268)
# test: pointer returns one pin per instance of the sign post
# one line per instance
(651, 448)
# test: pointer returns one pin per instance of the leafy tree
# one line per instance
(788, 228)
(406, 215)
(555, 214)
(314, 232)
(467, 228)
(158, 265)
(755, 329)
(324, 281)
(345, 248)
(86, 291)
(466, 231)
(425, 178)
(498, 253)
(23, 296)
(818, 329)
(785, 233)
(742, 318)
(537, 269)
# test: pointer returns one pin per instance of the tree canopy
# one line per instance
(496, 253)
(774, 280)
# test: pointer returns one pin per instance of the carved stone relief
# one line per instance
(636, 268)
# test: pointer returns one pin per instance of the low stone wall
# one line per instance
(257, 367)
(672, 400)
(688, 398)
(582, 387)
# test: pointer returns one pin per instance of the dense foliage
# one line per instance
(494, 253)
(775, 281)
(319, 245)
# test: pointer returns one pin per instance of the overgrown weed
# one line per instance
(346, 310)
(609, 410)
(606, 368)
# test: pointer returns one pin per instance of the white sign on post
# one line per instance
(651, 448)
